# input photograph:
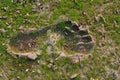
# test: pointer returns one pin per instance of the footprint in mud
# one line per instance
(66, 35)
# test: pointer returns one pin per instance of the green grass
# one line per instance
(92, 67)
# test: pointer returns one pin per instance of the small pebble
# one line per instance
(27, 70)
(3, 17)
(74, 76)
(32, 56)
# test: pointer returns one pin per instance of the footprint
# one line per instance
(77, 39)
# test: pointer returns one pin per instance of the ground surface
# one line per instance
(103, 19)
